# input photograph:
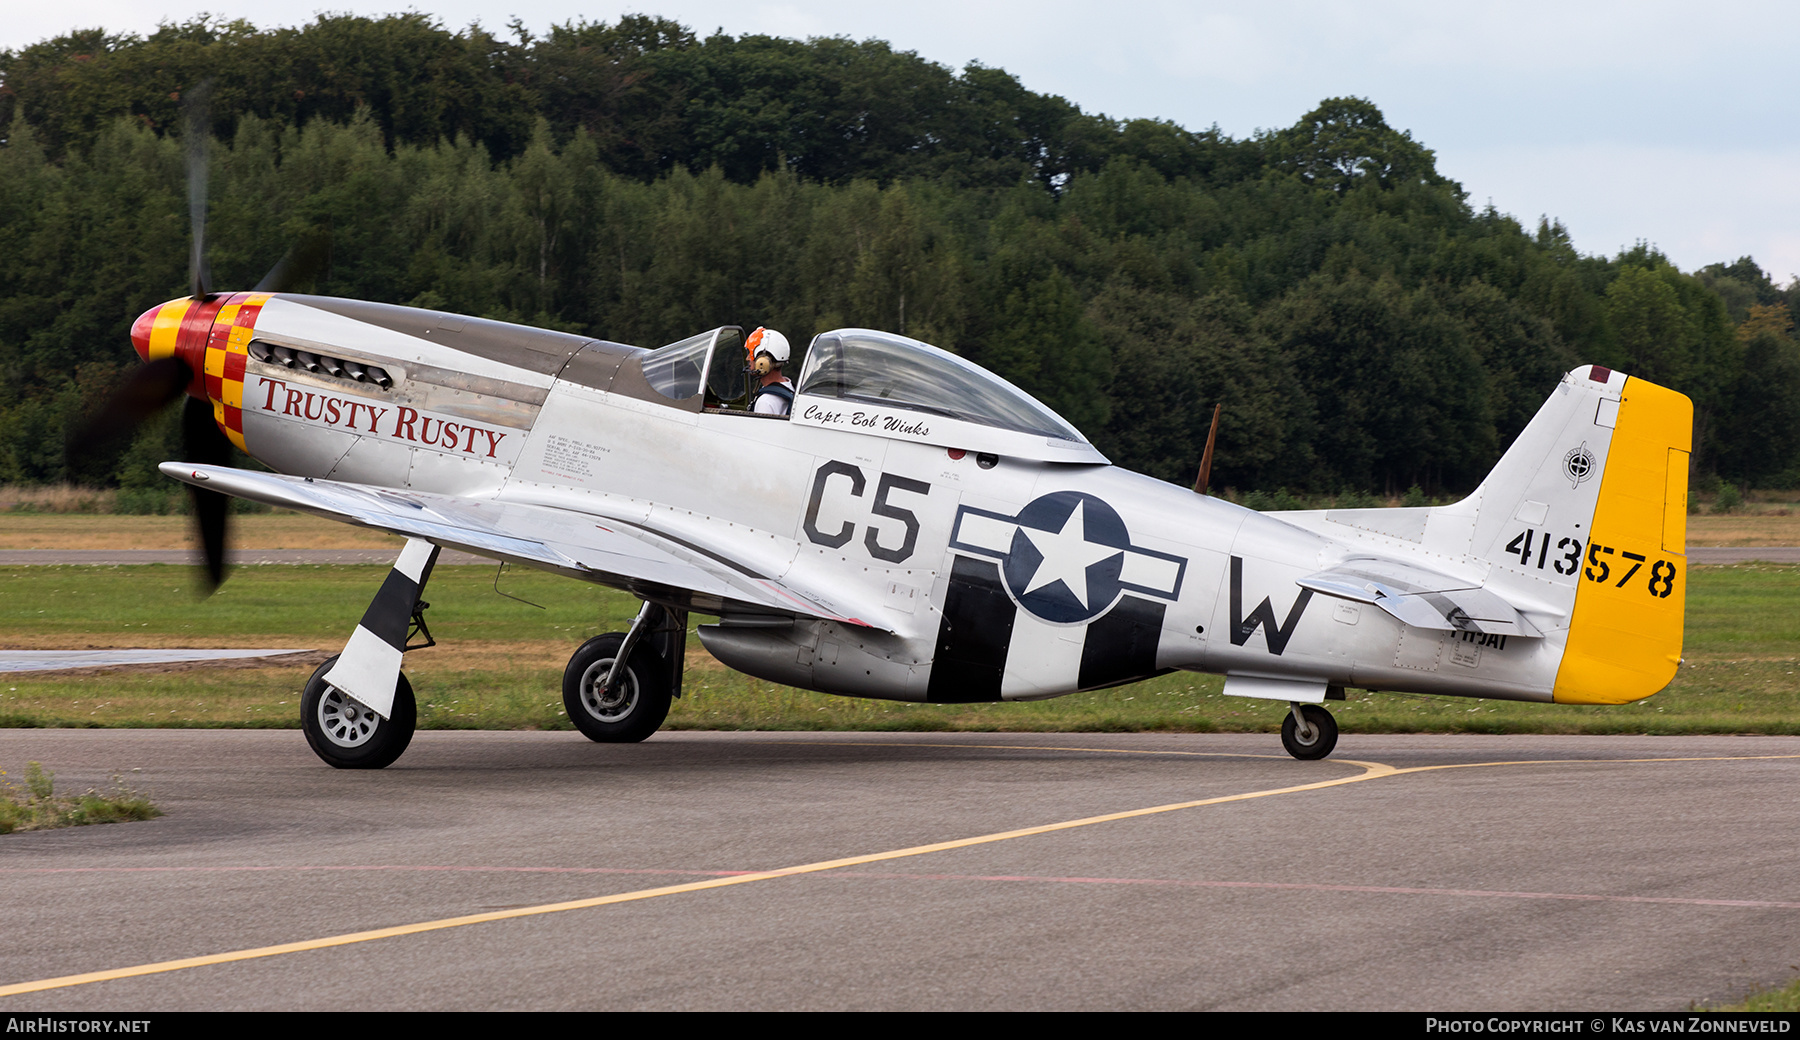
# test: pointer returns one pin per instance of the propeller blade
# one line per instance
(202, 442)
(149, 389)
(304, 260)
(196, 133)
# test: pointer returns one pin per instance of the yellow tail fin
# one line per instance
(1625, 634)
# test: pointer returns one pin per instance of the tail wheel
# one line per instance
(345, 733)
(632, 709)
(1316, 739)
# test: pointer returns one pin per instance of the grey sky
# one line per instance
(1674, 123)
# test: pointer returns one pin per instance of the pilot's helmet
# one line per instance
(770, 342)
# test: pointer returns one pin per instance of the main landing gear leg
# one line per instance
(1309, 731)
(617, 687)
(357, 710)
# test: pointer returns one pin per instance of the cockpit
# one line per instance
(856, 367)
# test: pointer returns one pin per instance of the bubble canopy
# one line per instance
(862, 366)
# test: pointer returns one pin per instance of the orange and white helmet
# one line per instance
(770, 342)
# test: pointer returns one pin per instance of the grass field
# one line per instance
(280, 530)
(500, 663)
(1763, 523)
(1744, 530)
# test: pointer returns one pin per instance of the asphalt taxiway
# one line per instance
(918, 871)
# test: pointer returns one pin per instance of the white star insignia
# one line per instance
(1067, 556)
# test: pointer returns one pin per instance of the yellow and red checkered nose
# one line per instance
(178, 329)
(212, 336)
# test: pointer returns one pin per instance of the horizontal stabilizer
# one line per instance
(1421, 598)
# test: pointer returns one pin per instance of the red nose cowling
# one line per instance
(180, 328)
(140, 332)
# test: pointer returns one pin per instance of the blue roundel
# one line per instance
(1066, 557)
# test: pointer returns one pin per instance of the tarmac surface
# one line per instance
(697, 870)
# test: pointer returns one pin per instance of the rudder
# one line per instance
(1624, 640)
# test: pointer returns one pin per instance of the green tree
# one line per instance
(1175, 358)
(1759, 429)
(1398, 392)
(1669, 328)
(1346, 140)
(1043, 342)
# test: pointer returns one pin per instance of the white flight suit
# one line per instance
(769, 402)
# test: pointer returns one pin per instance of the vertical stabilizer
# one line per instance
(1625, 636)
(1585, 517)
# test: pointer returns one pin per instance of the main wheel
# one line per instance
(345, 733)
(630, 711)
(1316, 744)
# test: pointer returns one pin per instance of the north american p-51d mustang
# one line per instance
(918, 529)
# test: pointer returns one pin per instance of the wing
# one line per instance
(663, 567)
(1419, 597)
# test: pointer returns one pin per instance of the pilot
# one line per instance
(768, 353)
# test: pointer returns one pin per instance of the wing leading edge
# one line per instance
(607, 551)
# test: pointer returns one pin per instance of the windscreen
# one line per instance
(676, 370)
(884, 369)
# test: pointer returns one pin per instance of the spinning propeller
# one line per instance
(162, 379)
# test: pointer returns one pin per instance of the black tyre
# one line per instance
(635, 706)
(1322, 739)
(345, 733)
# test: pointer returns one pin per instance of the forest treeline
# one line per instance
(1364, 327)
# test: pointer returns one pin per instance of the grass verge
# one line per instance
(83, 518)
(499, 663)
(1786, 998)
(37, 807)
